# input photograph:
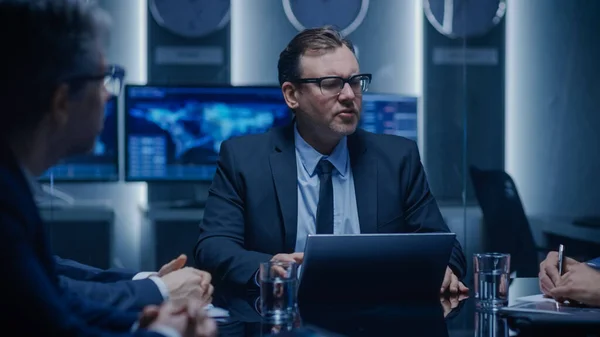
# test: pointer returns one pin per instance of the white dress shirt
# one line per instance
(345, 211)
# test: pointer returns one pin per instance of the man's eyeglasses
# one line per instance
(112, 78)
(333, 85)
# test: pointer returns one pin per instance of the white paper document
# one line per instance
(535, 298)
(541, 304)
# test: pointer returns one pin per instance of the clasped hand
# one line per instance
(184, 282)
(451, 284)
(186, 316)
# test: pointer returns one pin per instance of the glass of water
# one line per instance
(278, 285)
(491, 279)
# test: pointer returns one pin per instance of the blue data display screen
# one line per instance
(390, 114)
(101, 164)
(174, 134)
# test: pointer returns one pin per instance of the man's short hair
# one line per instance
(313, 39)
(46, 42)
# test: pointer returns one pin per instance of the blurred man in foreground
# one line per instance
(54, 82)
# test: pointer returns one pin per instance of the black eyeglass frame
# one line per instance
(319, 80)
(112, 73)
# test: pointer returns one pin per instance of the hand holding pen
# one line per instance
(551, 269)
(578, 285)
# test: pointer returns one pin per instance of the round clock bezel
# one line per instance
(500, 14)
(162, 23)
(358, 20)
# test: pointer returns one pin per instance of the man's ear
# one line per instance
(290, 93)
(59, 108)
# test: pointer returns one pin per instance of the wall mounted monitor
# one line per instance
(174, 133)
(390, 114)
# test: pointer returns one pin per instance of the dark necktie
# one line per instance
(325, 206)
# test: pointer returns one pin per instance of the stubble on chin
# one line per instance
(344, 127)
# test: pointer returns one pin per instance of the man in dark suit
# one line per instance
(318, 175)
(53, 86)
(131, 291)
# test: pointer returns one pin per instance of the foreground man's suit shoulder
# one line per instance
(36, 306)
(251, 210)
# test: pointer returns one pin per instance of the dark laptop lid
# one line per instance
(374, 268)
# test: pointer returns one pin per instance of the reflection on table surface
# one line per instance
(451, 316)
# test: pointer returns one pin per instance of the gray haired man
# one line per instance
(54, 82)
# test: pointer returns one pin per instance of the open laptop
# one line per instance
(364, 269)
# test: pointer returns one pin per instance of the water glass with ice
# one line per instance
(491, 279)
(278, 289)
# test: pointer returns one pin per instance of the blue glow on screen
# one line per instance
(390, 114)
(175, 133)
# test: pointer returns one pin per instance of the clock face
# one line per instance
(191, 18)
(464, 18)
(345, 15)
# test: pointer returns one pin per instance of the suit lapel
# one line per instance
(283, 169)
(364, 171)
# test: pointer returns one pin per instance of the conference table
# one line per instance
(452, 316)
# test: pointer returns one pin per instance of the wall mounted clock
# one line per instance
(464, 18)
(191, 18)
(346, 15)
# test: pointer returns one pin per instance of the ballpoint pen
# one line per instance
(561, 253)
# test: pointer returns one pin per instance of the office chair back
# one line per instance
(507, 228)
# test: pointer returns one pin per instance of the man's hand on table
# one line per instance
(185, 282)
(187, 317)
(294, 257)
(452, 285)
(450, 303)
(298, 258)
